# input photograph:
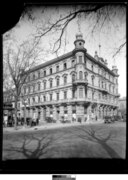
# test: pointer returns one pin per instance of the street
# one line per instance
(81, 141)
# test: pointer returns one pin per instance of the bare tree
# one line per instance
(101, 13)
(19, 60)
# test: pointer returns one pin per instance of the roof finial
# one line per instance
(99, 50)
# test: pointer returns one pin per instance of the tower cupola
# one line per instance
(79, 42)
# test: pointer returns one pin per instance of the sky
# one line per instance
(110, 37)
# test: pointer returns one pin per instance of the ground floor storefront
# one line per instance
(70, 111)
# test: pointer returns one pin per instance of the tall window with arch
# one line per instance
(73, 77)
(44, 73)
(39, 86)
(81, 92)
(57, 81)
(44, 84)
(86, 74)
(65, 80)
(93, 80)
(73, 63)
(93, 95)
(57, 68)
(80, 75)
(50, 83)
(65, 66)
(92, 67)
(50, 70)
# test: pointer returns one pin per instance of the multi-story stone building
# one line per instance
(74, 85)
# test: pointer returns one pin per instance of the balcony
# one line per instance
(103, 90)
(74, 100)
(80, 82)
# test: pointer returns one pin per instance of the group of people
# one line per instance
(9, 121)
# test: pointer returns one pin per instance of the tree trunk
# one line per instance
(25, 115)
(16, 100)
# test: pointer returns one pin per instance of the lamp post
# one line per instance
(25, 104)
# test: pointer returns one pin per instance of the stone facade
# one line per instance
(74, 86)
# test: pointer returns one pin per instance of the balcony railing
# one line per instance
(80, 81)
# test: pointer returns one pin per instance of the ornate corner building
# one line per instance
(72, 86)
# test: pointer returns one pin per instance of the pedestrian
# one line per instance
(5, 120)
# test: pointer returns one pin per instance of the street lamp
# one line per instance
(25, 104)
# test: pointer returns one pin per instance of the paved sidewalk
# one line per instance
(46, 126)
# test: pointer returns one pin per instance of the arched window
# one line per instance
(93, 80)
(44, 98)
(93, 95)
(65, 94)
(33, 87)
(57, 68)
(51, 83)
(86, 74)
(65, 79)
(50, 70)
(65, 66)
(29, 89)
(38, 74)
(57, 96)
(73, 77)
(33, 76)
(81, 75)
(73, 63)
(92, 67)
(109, 87)
(44, 84)
(39, 86)
(44, 73)
(50, 97)
(57, 81)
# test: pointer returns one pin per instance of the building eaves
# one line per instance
(99, 63)
(50, 62)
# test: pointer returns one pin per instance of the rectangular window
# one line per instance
(45, 85)
(44, 73)
(50, 97)
(38, 86)
(65, 66)
(58, 82)
(81, 92)
(44, 98)
(50, 70)
(57, 94)
(65, 94)
(80, 59)
(51, 84)
(57, 68)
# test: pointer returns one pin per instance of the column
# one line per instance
(42, 114)
(36, 111)
(61, 112)
(54, 113)
(47, 111)
(69, 112)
